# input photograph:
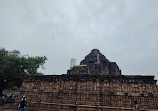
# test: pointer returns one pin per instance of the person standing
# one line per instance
(1, 101)
(22, 104)
(137, 107)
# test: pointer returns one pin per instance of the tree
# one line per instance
(15, 67)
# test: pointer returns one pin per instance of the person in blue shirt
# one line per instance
(1, 101)
(22, 104)
(137, 107)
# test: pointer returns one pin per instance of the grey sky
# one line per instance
(125, 31)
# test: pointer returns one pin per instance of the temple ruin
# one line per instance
(95, 63)
(95, 85)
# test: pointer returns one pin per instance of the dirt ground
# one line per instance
(9, 110)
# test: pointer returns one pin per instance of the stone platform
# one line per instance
(102, 90)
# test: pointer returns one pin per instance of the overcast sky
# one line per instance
(125, 31)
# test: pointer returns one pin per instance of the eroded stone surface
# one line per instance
(105, 90)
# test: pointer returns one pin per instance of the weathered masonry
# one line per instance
(95, 63)
(81, 86)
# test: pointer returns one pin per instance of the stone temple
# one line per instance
(95, 63)
(95, 85)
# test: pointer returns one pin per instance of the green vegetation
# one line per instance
(15, 67)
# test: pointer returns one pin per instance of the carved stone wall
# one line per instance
(104, 90)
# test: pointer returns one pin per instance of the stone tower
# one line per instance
(95, 63)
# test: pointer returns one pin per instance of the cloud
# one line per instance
(124, 31)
